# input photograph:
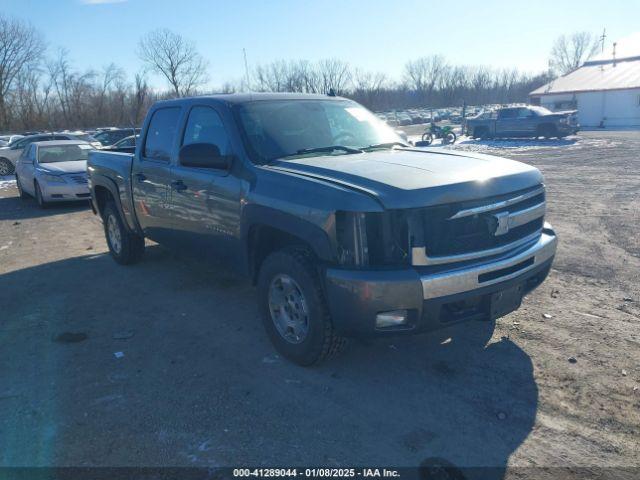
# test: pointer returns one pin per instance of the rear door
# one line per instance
(507, 122)
(151, 173)
(527, 122)
(205, 202)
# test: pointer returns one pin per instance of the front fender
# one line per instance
(314, 235)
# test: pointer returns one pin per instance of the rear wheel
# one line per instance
(6, 167)
(481, 133)
(294, 311)
(125, 247)
(427, 137)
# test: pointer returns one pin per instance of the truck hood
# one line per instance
(407, 178)
(58, 168)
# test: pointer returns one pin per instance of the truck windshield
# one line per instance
(286, 128)
(63, 153)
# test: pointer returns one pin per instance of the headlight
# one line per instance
(351, 235)
(372, 239)
(52, 178)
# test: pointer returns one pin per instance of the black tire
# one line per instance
(6, 167)
(428, 138)
(481, 133)
(21, 192)
(449, 138)
(39, 199)
(320, 340)
(125, 247)
(547, 131)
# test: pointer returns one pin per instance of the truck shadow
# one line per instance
(15, 208)
(198, 384)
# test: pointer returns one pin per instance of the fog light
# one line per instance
(392, 318)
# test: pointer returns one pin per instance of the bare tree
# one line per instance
(424, 74)
(21, 47)
(568, 53)
(174, 57)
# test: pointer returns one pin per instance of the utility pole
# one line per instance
(246, 68)
(602, 38)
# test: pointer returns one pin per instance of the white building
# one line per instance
(605, 90)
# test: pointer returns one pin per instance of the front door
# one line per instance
(151, 174)
(205, 202)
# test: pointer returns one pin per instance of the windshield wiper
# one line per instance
(330, 148)
(386, 145)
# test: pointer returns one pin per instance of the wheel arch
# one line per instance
(265, 230)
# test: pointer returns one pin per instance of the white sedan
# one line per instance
(54, 171)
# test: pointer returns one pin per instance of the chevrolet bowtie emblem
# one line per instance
(502, 223)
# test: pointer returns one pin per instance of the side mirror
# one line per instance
(204, 155)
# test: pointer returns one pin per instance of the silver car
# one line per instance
(54, 171)
(10, 154)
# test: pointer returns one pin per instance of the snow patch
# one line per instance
(7, 181)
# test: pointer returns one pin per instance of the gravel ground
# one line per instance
(198, 384)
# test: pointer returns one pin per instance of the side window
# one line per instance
(524, 113)
(205, 126)
(161, 133)
(507, 113)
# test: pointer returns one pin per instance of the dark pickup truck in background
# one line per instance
(345, 229)
(529, 121)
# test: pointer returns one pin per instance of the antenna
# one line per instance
(602, 37)
(246, 67)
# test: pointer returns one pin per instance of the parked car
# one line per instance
(127, 144)
(10, 154)
(54, 171)
(8, 139)
(345, 229)
(528, 121)
(109, 137)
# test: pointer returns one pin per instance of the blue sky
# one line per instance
(370, 34)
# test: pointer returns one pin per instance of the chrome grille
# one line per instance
(470, 230)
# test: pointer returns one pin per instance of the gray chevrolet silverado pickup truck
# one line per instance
(345, 229)
(528, 121)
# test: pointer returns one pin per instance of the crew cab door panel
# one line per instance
(205, 202)
(151, 174)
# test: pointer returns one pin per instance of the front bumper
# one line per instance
(64, 192)
(437, 296)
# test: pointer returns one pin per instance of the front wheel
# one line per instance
(125, 247)
(39, 197)
(294, 311)
(21, 192)
(449, 138)
(427, 137)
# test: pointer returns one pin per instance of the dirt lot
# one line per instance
(199, 383)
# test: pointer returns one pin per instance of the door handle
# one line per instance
(178, 185)
(140, 177)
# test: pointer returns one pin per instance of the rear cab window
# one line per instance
(161, 134)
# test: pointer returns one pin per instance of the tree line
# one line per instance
(47, 92)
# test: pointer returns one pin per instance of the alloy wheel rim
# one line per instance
(288, 308)
(115, 240)
(5, 169)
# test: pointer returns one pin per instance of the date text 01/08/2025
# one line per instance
(316, 472)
